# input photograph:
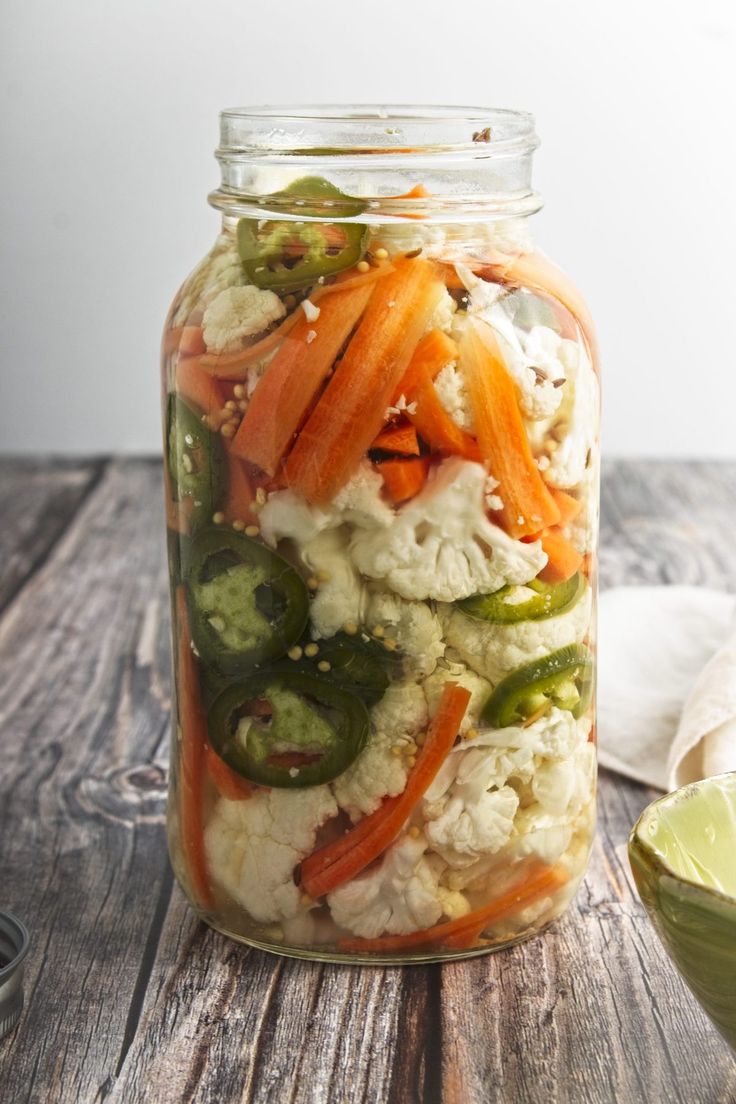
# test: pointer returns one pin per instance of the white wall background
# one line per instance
(109, 117)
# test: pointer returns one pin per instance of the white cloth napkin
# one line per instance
(667, 683)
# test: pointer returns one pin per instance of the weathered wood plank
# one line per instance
(38, 499)
(84, 699)
(132, 1000)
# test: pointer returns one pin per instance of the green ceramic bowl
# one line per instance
(683, 856)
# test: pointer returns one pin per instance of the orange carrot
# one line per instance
(434, 424)
(352, 408)
(398, 438)
(563, 559)
(230, 784)
(240, 492)
(193, 729)
(197, 387)
(404, 478)
(185, 340)
(287, 391)
(466, 930)
(569, 507)
(433, 353)
(338, 862)
(235, 366)
(528, 505)
(417, 192)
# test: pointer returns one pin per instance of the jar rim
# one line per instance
(340, 129)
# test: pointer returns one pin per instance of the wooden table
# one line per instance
(129, 999)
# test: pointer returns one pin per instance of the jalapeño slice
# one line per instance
(563, 679)
(287, 730)
(547, 600)
(248, 605)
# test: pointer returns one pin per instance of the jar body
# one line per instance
(382, 503)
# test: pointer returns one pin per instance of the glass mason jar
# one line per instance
(381, 466)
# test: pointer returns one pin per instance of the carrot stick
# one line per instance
(240, 492)
(404, 478)
(193, 750)
(433, 353)
(528, 505)
(197, 387)
(235, 366)
(434, 425)
(398, 438)
(464, 931)
(569, 507)
(227, 782)
(287, 391)
(185, 340)
(351, 409)
(563, 559)
(338, 862)
(533, 270)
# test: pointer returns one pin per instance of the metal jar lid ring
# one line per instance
(14, 941)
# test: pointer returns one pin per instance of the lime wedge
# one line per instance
(683, 857)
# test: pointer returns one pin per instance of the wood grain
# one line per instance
(131, 1000)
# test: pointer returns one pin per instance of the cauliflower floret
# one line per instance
(471, 820)
(452, 391)
(360, 502)
(480, 691)
(399, 895)
(442, 315)
(494, 651)
(377, 772)
(220, 269)
(442, 545)
(287, 515)
(582, 531)
(564, 786)
(414, 627)
(253, 846)
(238, 313)
(573, 431)
(553, 736)
(456, 241)
(535, 359)
(340, 596)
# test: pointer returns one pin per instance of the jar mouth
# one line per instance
(404, 160)
(381, 129)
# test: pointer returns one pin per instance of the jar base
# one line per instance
(337, 958)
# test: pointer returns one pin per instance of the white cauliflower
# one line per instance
(237, 314)
(398, 895)
(480, 691)
(452, 391)
(220, 269)
(379, 772)
(534, 359)
(472, 818)
(574, 430)
(582, 531)
(455, 241)
(494, 651)
(360, 501)
(287, 515)
(553, 736)
(340, 595)
(442, 315)
(442, 545)
(564, 786)
(253, 846)
(414, 627)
